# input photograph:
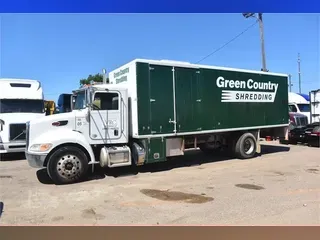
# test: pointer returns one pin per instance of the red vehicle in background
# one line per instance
(297, 127)
(301, 132)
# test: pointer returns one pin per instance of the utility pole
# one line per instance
(290, 84)
(299, 72)
(104, 76)
(263, 54)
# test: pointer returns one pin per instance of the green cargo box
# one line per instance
(170, 98)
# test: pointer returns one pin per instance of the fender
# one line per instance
(62, 136)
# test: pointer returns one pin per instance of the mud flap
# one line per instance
(286, 134)
(258, 146)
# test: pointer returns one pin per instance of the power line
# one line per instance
(218, 49)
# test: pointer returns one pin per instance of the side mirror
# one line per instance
(72, 102)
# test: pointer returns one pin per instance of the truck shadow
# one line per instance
(12, 156)
(269, 149)
(190, 159)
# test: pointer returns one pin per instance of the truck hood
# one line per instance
(296, 114)
(9, 118)
(53, 118)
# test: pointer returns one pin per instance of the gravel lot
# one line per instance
(280, 187)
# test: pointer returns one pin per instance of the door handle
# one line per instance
(116, 132)
(170, 121)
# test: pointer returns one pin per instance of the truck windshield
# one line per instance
(304, 107)
(21, 106)
(80, 101)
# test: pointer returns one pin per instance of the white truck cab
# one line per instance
(299, 104)
(21, 100)
(68, 143)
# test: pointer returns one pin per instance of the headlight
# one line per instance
(40, 147)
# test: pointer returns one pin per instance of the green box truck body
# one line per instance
(181, 104)
(169, 98)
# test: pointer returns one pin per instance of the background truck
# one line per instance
(315, 106)
(313, 129)
(49, 107)
(21, 100)
(299, 103)
(154, 110)
(64, 103)
(302, 131)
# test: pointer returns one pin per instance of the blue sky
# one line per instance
(59, 49)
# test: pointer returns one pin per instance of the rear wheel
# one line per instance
(246, 146)
(67, 165)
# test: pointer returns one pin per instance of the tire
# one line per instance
(243, 142)
(67, 165)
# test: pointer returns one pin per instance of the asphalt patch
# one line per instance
(5, 176)
(279, 173)
(313, 170)
(91, 214)
(176, 196)
(249, 186)
(58, 218)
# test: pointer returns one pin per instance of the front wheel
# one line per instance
(67, 165)
(246, 146)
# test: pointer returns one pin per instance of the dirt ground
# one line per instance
(280, 187)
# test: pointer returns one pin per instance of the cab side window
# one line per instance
(292, 108)
(106, 101)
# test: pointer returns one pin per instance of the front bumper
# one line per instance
(36, 160)
(12, 147)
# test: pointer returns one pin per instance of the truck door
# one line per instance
(105, 116)
(162, 117)
(188, 99)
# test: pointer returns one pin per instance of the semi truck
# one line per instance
(21, 100)
(314, 106)
(154, 110)
(299, 103)
(303, 131)
(49, 107)
(313, 129)
(64, 103)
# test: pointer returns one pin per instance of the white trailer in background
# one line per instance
(20, 101)
(299, 104)
(315, 106)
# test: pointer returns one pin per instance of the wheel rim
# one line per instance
(68, 166)
(248, 146)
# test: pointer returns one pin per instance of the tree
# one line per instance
(95, 78)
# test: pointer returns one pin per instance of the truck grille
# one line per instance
(301, 121)
(17, 132)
